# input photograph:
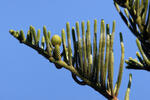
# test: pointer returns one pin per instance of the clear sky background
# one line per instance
(26, 75)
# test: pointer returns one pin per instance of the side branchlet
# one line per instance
(92, 64)
(136, 16)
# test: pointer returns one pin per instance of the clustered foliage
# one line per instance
(137, 17)
(93, 61)
(84, 62)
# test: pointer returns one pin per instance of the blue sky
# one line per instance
(26, 75)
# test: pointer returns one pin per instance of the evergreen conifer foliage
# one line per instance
(92, 62)
(136, 16)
